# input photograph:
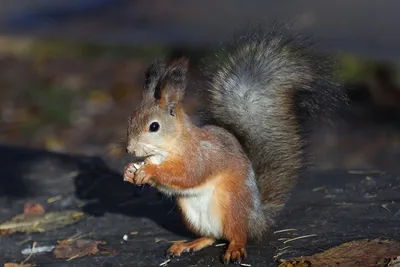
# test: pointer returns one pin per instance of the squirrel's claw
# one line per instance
(176, 249)
(180, 247)
(234, 254)
(135, 173)
(141, 177)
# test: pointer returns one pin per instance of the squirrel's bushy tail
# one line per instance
(263, 85)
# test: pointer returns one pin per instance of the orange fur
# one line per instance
(234, 207)
(179, 247)
(171, 174)
(227, 172)
(205, 168)
(231, 179)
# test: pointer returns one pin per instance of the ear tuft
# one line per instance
(153, 76)
(166, 82)
(176, 80)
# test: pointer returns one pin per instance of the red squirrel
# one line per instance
(230, 179)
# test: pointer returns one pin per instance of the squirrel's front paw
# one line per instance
(142, 175)
(129, 172)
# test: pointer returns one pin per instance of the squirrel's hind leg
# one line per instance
(236, 252)
(179, 247)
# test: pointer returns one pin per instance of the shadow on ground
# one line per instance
(33, 173)
(332, 206)
(106, 192)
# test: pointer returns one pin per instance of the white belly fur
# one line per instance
(201, 211)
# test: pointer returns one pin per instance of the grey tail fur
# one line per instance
(263, 86)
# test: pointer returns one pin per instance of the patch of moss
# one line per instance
(354, 69)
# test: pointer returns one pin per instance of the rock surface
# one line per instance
(336, 206)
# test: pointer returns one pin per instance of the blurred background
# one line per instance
(72, 71)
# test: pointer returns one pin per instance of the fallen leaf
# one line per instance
(29, 223)
(5, 232)
(366, 253)
(17, 265)
(33, 208)
(76, 248)
(394, 262)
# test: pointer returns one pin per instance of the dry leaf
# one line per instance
(40, 222)
(76, 248)
(364, 253)
(394, 262)
(10, 264)
(33, 208)
(6, 232)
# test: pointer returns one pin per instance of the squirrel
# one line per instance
(230, 179)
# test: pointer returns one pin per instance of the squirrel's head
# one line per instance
(155, 126)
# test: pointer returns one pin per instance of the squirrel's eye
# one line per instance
(154, 126)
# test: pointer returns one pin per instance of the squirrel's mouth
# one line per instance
(137, 150)
(152, 154)
(148, 153)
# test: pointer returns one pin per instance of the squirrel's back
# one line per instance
(262, 87)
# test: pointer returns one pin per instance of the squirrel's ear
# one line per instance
(170, 91)
(176, 80)
(152, 78)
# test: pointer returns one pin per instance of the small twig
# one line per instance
(78, 236)
(220, 245)
(318, 188)
(73, 257)
(176, 241)
(281, 251)
(283, 239)
(74, 236)
(54, 199)
(164, 262)
(169, 241)
(285, 230)
(279, 254)
(24, 241)
(245, 264)
(112, 251)
(297, 238)
(10, 226)
(284, 248)
(30, 254)
(384, 206)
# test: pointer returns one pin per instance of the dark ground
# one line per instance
(334, 203)
(349, 206)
